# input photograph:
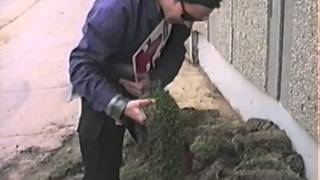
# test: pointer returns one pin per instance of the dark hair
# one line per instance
(212, 4)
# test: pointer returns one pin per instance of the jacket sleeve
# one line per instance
(102, 34)
(172, 57)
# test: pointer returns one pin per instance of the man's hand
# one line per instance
(136, 89)
(134, 110)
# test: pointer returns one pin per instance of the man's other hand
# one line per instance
(136, 89)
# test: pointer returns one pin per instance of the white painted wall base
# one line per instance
(251, 102)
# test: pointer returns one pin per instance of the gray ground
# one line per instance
(36, 37)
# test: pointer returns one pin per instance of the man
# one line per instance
(101, 71)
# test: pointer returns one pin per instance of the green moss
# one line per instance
(244, 150)
(164, 145)
(60, 168)
(265, 175)
(208, 149)
(191, 117)
(133, 173)
(259, 143)
(263, 162)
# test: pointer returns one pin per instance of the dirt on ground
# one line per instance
(222, 146)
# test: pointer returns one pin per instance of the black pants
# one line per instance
(102, 156)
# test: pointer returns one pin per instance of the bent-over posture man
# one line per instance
(105, 67)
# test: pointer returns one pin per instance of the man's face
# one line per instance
(179, 12)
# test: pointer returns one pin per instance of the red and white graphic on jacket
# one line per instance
(150, 50)
(145, 57)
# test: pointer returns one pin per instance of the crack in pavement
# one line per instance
(20, 15)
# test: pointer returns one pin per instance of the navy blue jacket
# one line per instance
(113, 31)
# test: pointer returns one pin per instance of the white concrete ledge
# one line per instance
(251, 102)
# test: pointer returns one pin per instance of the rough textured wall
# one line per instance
(250, 27)
(318, 62)
(302, 100)
(220, 31)
(239, 31)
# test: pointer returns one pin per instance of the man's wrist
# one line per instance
(116, 108)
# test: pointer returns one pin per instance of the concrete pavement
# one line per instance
(35, 40)
(11, 10)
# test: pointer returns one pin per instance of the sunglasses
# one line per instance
(185, 15)
(188, 17)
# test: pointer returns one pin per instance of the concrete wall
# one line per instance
(220, 29)
(239, 31)
(273, 43)
(302, 90)
(249, 47)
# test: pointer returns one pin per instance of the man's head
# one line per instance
(187, 11)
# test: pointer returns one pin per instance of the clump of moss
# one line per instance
(257, 124)
(257, 149)
(261, 142)
(163, 145)
(268, 161)
(129, 172)
(207, 149)
(290, 161)
(263, 174)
